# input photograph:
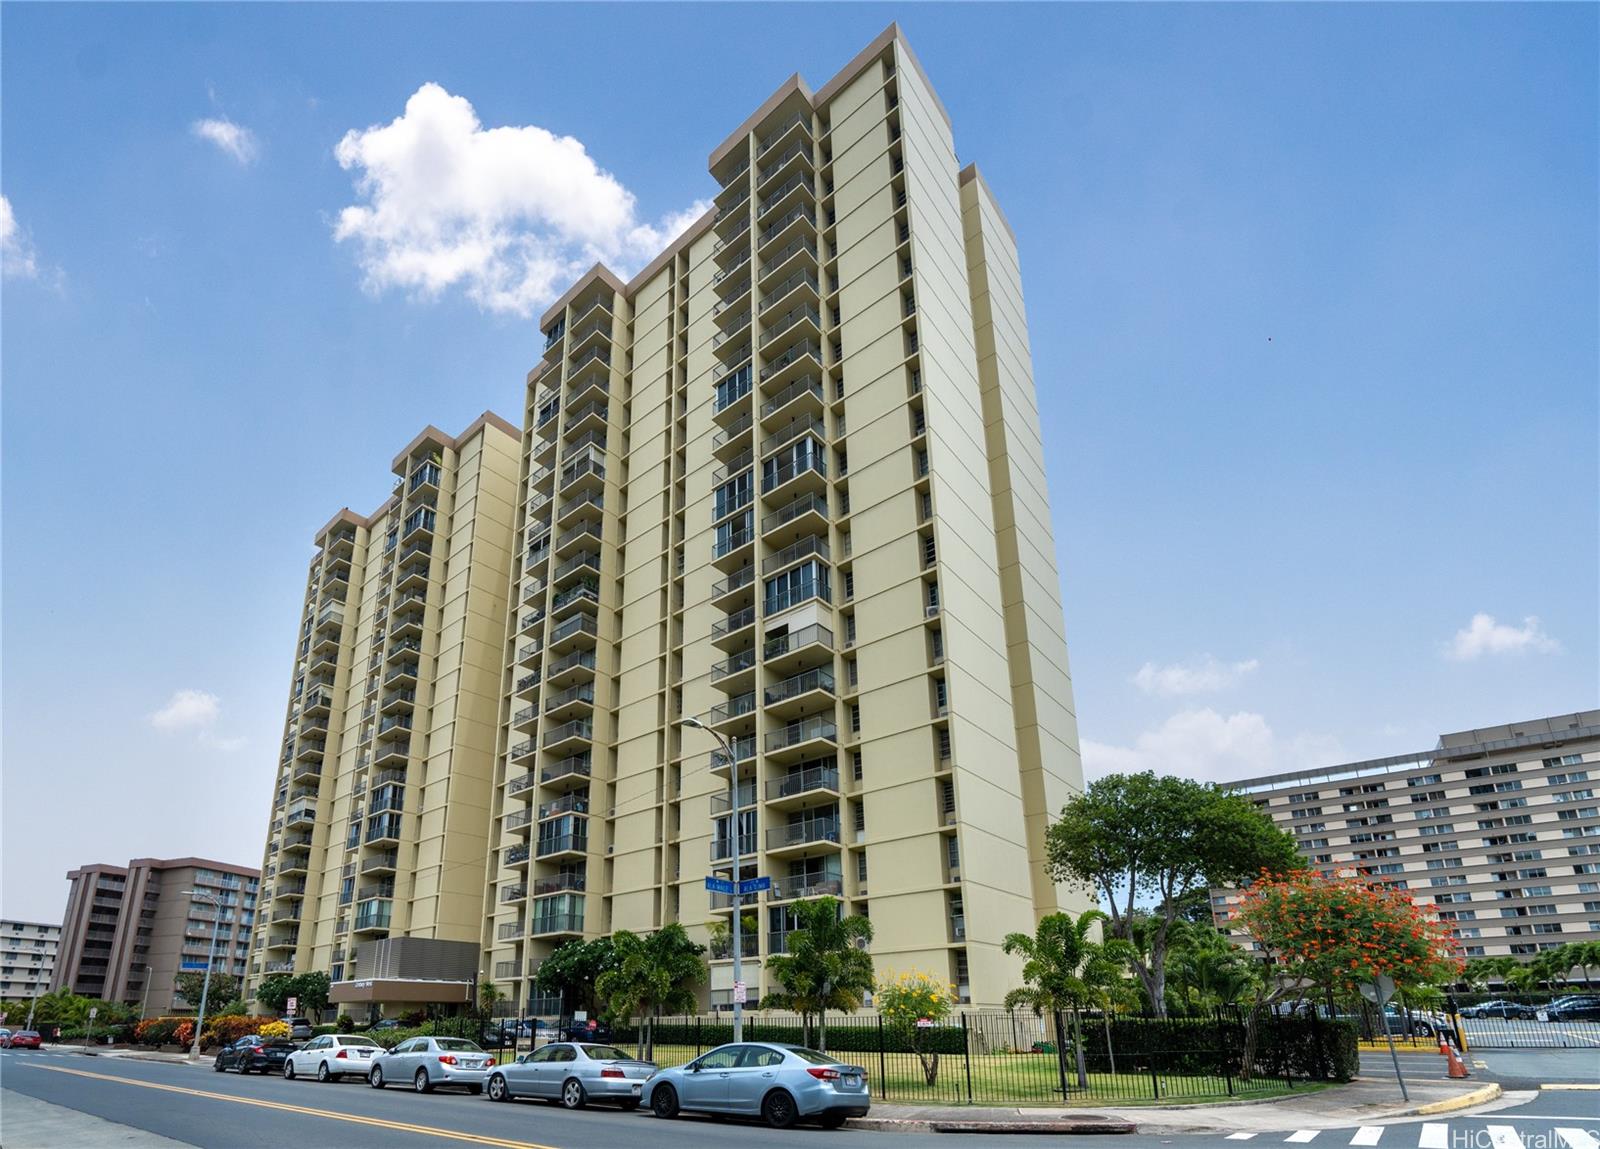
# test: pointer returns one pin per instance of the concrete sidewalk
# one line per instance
(28, 1123)
(1364, 1100)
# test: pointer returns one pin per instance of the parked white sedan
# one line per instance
(331, 1057)
(426, 1062)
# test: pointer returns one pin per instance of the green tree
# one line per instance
(310, 991)
(1479, 972)
(1208, 969)
(1339, 934)
(655, 973)
(489, 996)
(572, 971)
(1065, 968)
(191, 983)
(907, 998)
(826, 966)
(272, 991)
(1132, 836)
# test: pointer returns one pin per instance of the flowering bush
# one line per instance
(227, 1028)
(1343, 932)
(157, 1031)
(907, 998)
(274, 1029)
(184, 1033)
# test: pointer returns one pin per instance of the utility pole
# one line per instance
(738, 900)
(211, 957)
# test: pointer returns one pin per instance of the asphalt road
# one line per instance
(224, 1111)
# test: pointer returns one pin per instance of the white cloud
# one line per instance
(187, 710)
(508, 215)
(1483, 635)
(1196, 677)
(1205, 745)
(235, 140)
(17, 256)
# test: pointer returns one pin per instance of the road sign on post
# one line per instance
(739, 992)
(754, 885)
(1379, 993)
(94, 1011)
(719, 885)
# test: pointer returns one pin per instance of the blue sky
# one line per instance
(1312, 292)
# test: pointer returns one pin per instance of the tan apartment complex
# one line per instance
(27, 959)
(789, 480)
(1497, 829)
(380, 813)
(130, 930)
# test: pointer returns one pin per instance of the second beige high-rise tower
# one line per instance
(789, 480)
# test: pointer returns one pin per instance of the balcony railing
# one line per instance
(808, 384)
(736, 621)
(577, 728)
(802, 833)
(563, 843)
(734, 707)
(806, 887)
(576, 764)
(577, 624)
(803, 782)
(801, 350)
(575, 803)
(788, 319)
(559, 883)
(814, 502)
(558, 924)
(778, 476)
(722, 846)
(517, 854)
(797, 732)
(749, 946)
(744, 660)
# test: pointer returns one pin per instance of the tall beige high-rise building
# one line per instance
(27, 959)
(789, 479)
(380, 815)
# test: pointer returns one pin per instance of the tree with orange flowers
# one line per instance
(1337, 934)
(1342, 932)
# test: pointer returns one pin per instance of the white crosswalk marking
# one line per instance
(1435, 1135)
(1504, 1137)
(1367, 1135)
(1240, 1136)
(1577, 1138)
(1301, 1136)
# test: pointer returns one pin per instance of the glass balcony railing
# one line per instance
(818, 679)
(796, 733)
(798, 782)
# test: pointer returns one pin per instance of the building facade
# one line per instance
(380, 812)
(129, 931)
(789, 480)
(27, 958)
(1498, 830)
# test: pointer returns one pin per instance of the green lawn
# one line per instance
(1021, 1079)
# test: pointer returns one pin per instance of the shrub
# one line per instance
(157, 1031)
(345, 1023)
(225, 1029)
(273, 1029)
(1309, 1047)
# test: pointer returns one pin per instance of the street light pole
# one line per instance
(144, 1000)
(738, 901)
(211, 957)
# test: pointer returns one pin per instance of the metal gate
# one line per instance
(1528, 1021)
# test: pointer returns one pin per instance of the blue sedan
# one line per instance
(782, 1084)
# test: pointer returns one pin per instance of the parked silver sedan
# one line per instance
(426, 1062)
(781, 1083)
(573, 1073)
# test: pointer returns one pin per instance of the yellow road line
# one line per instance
(400, 1126)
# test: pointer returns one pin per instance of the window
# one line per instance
(855, 718)
(860, 817)
(806, 581)
(861, 867)
(1486, 771)
(855, 764)
(805, 454)
(735, 494)
(1424, 780)
(732, 388)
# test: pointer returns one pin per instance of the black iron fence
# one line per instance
(1527, 1020)
(1016, 1058)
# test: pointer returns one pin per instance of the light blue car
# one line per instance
(783, 1084)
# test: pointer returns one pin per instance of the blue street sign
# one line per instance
(719, 885)
(755, 885)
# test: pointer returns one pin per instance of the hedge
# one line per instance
(856, 1035)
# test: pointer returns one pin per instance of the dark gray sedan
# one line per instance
(573, 1073)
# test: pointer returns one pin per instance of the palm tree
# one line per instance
(654, 974)
(826, 966)
(1063, 967)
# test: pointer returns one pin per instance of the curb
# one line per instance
(1478, 1096)
(1050, 1128)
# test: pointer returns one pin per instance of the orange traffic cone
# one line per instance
(1458, 1068)
(1444, 1046)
